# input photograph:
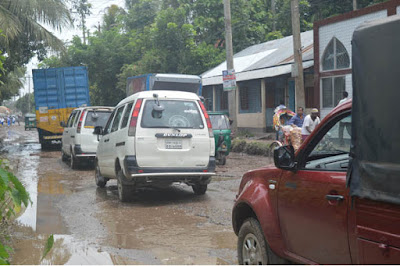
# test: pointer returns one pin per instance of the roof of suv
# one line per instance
(183, 95)
(95, 108)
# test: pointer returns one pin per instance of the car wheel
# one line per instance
(252, 248)
(64, 157)
(73, 161)
(100, 180)
(124, 192)
(199, 189)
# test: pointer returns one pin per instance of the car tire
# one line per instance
(252, 248)
(125, 192)
(99, 179)
(64, 157)
(199, 189)
(73, 161)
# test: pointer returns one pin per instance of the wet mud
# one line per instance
(90, 225)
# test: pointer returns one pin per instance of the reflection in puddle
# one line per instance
(65, 251)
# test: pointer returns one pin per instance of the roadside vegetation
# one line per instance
(177, 36)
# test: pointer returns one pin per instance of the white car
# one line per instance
(78, 141)
(155, 138)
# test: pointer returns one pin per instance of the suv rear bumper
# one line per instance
(79, 153)
(150, 174)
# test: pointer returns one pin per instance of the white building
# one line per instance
(332, 52)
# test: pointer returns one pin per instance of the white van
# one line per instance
(155, 138)
(78, 141)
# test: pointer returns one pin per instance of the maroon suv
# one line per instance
(301, 210)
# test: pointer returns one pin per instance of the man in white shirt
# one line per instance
(310, 123)
(345, 97)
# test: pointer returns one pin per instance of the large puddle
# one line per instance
(90, 226)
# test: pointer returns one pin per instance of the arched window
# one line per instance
(335, 56)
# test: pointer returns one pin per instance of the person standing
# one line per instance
(298, 119)
(345, 97)
(310, 123)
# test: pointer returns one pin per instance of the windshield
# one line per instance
(94, 119)
(175, 114)
(219, 122)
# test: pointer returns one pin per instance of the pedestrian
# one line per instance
(8, 121)
(18, 119)
(13, 120)
(2, 121)
(345, 122)
(310, 123)
(345, 97)
(298, 119)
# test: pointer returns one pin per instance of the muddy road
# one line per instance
(91, 226)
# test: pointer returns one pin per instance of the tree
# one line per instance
(82, 9)
(23, 103)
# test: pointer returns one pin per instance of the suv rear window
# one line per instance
(94, 119)
(176, 114)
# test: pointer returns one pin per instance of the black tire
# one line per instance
(64, 157)
(125, 192)
(73, 161)
(99, 179)
(199, 189)
(252, 248)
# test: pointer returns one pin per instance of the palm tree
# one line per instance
(27, 16)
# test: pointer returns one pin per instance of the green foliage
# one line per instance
(238, 145)
(12, 197)
(23, 103)
(257, 148)
(179, 36)
(48, 246)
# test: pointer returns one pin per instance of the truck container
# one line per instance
(57, 92)
(174, 82)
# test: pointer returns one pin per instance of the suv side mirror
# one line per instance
(62, 124)
(98, 130)
(284, 157)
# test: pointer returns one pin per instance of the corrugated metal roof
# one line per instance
(263, 60)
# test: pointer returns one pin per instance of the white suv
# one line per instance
(155, 138)
(78, 141)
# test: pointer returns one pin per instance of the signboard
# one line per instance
(229, 80)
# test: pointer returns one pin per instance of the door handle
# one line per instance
(334, 197)
(106, 140)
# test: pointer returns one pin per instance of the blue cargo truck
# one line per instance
(176, 82)
(57, 92)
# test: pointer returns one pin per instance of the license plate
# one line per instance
(173, 144)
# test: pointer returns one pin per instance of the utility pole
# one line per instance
(229, 62)
(273, 11)
(298, 58)
(354, 4)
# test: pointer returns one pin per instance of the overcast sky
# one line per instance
(98, 9)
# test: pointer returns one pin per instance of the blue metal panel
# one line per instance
(61, 87)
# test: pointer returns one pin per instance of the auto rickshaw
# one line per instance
(222, 135)
(30, 121)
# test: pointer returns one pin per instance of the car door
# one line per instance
(313, 200)
(104, 145)
(109, 143)
(66, 137)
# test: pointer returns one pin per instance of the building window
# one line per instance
(244, 98)
(335, 56)
(332, 90)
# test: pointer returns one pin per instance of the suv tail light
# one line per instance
(78, 129)
(209, 126)
(134, 118)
